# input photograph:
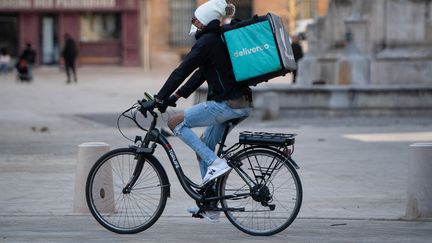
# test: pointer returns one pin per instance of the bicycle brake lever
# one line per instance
(141, 108)
(146, 106)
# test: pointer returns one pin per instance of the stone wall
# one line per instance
(338, 100)
(156, 51)
(284, 9)
(370, 42)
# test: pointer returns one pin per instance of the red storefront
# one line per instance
(106, 31)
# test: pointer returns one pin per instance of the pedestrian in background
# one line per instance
(23, 73)
(4, 61)
(69, 54)
(298, 53)
(29, 55)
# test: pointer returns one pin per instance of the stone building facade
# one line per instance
(105, 30)
(160, 21)
(149, 33)
(379, 42)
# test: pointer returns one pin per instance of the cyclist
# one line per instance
(208, 60)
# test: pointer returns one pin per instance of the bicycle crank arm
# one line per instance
(232, 196)
(223, 209)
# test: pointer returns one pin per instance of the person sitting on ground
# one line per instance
(23, 72)
(29, 55)
(4, 61)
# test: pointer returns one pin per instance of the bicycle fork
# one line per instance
(135, 175)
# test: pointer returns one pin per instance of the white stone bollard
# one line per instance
(420, 182)
(88, 154)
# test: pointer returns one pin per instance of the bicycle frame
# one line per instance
(255, 196)
(154, 135)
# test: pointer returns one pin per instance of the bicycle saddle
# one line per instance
(235, 121)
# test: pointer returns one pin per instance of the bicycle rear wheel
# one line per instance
(275, 192)
(126, 211)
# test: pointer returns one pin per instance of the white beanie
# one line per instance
(211, 10)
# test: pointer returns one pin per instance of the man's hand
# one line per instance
(172, 100)
(146, 106)
(162, 105)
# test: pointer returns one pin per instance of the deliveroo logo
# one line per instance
(251, 51)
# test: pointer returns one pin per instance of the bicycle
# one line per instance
(127, 188)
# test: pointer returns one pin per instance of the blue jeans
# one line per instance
(3, 68)
(210, 114)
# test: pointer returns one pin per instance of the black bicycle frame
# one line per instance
(185, 182)
(154, 135)
(137, 171)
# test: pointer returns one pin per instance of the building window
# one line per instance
(100, 27)
(9, 33)
(181, 14)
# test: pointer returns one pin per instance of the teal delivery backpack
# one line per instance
(259, 49)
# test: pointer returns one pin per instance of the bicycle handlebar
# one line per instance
(146, 106)
(148, 103)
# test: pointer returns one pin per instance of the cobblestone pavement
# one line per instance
(353, 169)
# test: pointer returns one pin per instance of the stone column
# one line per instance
(429, 24)
(308, 68)
(420, 181)
(353, 67)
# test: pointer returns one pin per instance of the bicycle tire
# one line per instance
(282, 186)
(120, 212)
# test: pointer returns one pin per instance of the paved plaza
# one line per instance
(353, 169)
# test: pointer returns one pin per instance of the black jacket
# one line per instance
(210, 61)
(70, 50)
(29, 55)
(297, 51)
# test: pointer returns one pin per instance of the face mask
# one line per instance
(193, 30)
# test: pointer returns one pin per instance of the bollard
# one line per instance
(88, 154)
(419, 204)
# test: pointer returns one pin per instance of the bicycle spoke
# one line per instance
(141, 205)
(272, 205)
(132, 211)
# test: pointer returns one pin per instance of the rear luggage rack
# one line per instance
(268, 139)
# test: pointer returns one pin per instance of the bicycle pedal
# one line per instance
(272, 207)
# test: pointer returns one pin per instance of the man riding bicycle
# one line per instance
(208, 60)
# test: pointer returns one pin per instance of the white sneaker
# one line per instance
(193, 210)
(218, 168)
(211, 216)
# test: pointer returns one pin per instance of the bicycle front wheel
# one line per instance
(123, 209)
(271, 189)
